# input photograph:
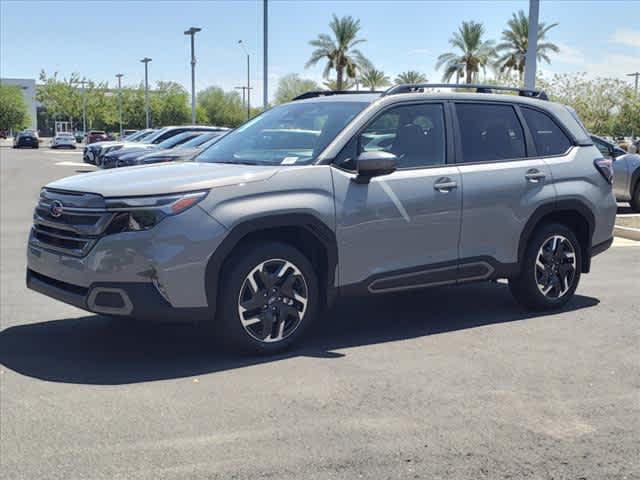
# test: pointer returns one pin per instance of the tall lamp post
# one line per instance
(192, 33)
(244, 47)
(83, 82)
(532, 45)
(119, 77)
(146, 61)
(636, 74)
(265, 47)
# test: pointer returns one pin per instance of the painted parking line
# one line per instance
(64, 152)
(74, 164)
(623, 242)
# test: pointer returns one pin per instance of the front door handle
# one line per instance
(445, 185)
(534, 175)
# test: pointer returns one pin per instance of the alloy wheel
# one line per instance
(273, 300)
(555, 270)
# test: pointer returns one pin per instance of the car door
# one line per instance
(400, 231)
(502, 186)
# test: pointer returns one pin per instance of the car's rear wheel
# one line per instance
(551, 269)
(268, 297)
(635, 198)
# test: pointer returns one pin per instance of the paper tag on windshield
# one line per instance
(289, 160)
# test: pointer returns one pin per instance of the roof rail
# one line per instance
(327, 93)
(420, 87)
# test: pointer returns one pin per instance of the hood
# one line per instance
(164, 178)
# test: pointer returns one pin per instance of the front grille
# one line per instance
(69, 222)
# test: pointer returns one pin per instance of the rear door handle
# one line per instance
(445, 185)
(534, 175)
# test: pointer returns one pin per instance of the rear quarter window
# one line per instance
(548, 137)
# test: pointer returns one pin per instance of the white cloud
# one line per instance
(626, 36)
(569, 55)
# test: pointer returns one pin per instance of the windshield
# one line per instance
(295, 133)
(177, 139)
(199, 140)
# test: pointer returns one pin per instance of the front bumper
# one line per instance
(160, 271)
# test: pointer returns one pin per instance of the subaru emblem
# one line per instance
(56, 209)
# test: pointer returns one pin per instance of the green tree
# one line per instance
(168, 104)
(332, 84)
(599, 102)
(339, 51)
(372, 79)
(222, 108)
(410, 76)
(291, 85)
(515, 41)
(474, 54)
(13, 109)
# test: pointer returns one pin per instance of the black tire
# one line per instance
(232, 286)
(635, 199)
(524, 287)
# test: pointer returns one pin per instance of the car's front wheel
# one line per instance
(268, 297)
(635, 199)
(551, 269)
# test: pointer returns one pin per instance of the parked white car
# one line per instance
(63, 139)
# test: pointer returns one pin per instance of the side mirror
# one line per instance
(373, 164)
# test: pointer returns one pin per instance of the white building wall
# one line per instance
(28, 87)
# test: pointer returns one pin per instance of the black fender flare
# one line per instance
(309, 222)
(556, 206)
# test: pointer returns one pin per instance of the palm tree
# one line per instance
(331, 84)
(411, 76)
(475, 53)
(513, 48)
(373, 79)
(338, 51)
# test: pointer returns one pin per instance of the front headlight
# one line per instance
(142, 213)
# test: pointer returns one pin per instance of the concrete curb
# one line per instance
(627, 232)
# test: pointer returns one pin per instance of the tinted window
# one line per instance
(547, 135)
(602, 146)
(490, 132)
(414, 133)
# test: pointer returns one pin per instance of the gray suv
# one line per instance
(334, 194)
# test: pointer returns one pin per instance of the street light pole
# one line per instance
(83, 82)
(192, 32)
(265, 46)
(532, 45)
(146, 61)
(119, 77)
(636, 74)
(244, 47)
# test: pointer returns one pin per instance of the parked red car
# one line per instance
(96, 136)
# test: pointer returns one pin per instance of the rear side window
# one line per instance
(547, 135)
(489, 132)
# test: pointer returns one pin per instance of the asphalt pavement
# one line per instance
(449, 383)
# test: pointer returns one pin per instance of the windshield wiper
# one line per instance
(238, 162)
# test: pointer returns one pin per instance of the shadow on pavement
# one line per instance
(624, 209)
(103, 351)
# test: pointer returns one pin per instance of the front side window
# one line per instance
(413, 133)
(489, 132)
(291, 134)
(547, 135)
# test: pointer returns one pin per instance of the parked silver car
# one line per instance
(334, 194)
(626, 172)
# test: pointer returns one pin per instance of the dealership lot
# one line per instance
(429, 385)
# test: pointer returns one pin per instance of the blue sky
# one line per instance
(101, 38)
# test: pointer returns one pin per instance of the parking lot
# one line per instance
(468, 386)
